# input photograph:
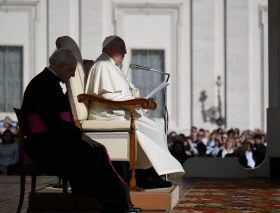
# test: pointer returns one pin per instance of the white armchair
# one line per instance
(118, 136)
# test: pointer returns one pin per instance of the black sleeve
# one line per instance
(51, 103)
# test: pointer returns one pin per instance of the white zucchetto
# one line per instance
(108, 39)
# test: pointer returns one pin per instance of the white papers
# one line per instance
(157, 89)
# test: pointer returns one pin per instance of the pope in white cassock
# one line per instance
(107, 79)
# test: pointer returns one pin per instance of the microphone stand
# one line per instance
(165, 116)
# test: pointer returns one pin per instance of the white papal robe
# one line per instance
(108, 80)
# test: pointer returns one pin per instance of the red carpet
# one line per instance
(218, 196)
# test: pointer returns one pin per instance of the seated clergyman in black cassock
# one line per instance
(56, 145)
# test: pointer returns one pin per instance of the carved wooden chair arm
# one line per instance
(143, 102)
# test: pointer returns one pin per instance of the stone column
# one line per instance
(273, 112)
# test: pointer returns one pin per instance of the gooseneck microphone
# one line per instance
(135, 66)
(166, 116)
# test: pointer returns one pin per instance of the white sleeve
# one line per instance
(117, 96)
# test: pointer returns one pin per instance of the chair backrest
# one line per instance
(26, 164)
(75, 85)
(21, 136)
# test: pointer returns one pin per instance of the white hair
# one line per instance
(60, 55)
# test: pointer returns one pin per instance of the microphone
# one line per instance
(166, 116)
(135, 66)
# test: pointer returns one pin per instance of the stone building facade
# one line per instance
(201, 39)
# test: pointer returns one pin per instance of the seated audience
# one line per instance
(5, 124)
(259, 149)
(9, 153)
(248, 159)
(249, 146)
(201, 148)
(201, 135)
(223, 140)
(211, 141)
(187, 147)
(171, 139)
(264, 140)
(228, 151)
(230, 133)
(178, 151)
(14, 130)
(236, 131)
(216, 148)
(194, 133)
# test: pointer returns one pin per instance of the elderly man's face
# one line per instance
(67, 69)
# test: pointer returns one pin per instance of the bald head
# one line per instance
(63, 62)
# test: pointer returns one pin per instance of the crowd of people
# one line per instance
(9, 145)
(248, 146)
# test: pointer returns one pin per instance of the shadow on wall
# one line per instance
(212, 114)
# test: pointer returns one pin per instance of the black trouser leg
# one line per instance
(121, 168)
(95, 176)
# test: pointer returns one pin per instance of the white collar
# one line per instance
(110, 59)
(52, 71)
(224, 152)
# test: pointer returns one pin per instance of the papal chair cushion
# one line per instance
(93, 125)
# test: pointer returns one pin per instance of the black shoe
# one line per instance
(158, 182)
(141, 179)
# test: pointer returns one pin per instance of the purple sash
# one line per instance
(36, 125)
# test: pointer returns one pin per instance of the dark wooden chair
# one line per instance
(28, 167)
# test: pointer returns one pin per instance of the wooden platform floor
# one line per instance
(10, 190)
